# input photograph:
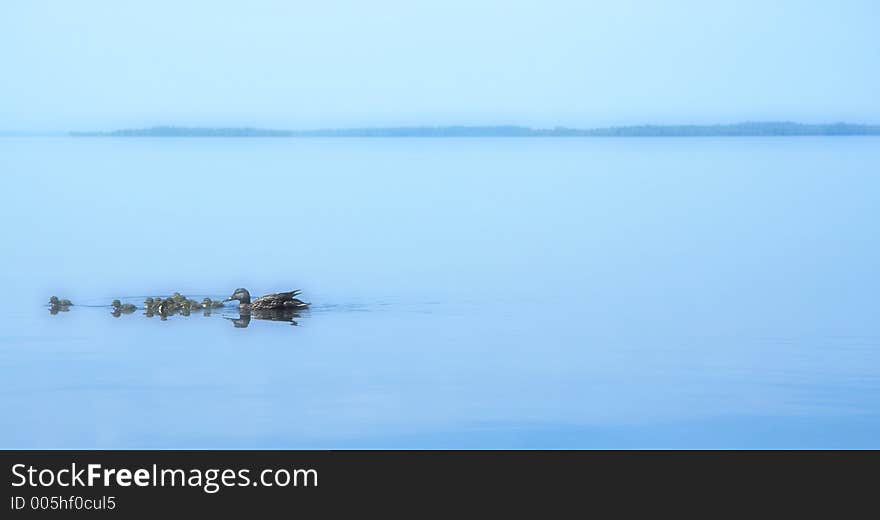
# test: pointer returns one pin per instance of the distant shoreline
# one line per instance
(749, 129)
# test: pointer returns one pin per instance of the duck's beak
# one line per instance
(229, 299)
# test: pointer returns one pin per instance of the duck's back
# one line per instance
(284, 300)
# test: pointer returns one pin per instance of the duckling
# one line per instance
(208, 303)
(56, 302)
(189, 305)
(57, 305)
(125, 308)
(150, 305)
(166, 307)
(283, 300)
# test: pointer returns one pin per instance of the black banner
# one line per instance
(125, 483)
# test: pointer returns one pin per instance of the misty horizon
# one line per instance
(806, 128)
(271, 64)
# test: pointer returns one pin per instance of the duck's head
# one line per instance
(54, 301)
(242, 295)
(116, 304)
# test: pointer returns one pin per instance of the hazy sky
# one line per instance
(106, 64)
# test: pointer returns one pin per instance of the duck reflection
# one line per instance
(245, 316)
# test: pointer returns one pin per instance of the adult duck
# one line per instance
(284, 300)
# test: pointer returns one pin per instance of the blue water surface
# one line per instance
(467, 293)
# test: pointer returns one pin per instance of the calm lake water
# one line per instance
(467, 293)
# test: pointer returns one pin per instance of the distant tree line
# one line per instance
(183, 131)
(749, 129)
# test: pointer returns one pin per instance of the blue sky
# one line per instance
(107, 64)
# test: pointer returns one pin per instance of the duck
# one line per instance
(125, 308)
(57, 302)
(284, 300)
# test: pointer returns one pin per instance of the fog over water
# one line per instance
(492, 293)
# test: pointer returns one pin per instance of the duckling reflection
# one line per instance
(57, 305)
(245, 315)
